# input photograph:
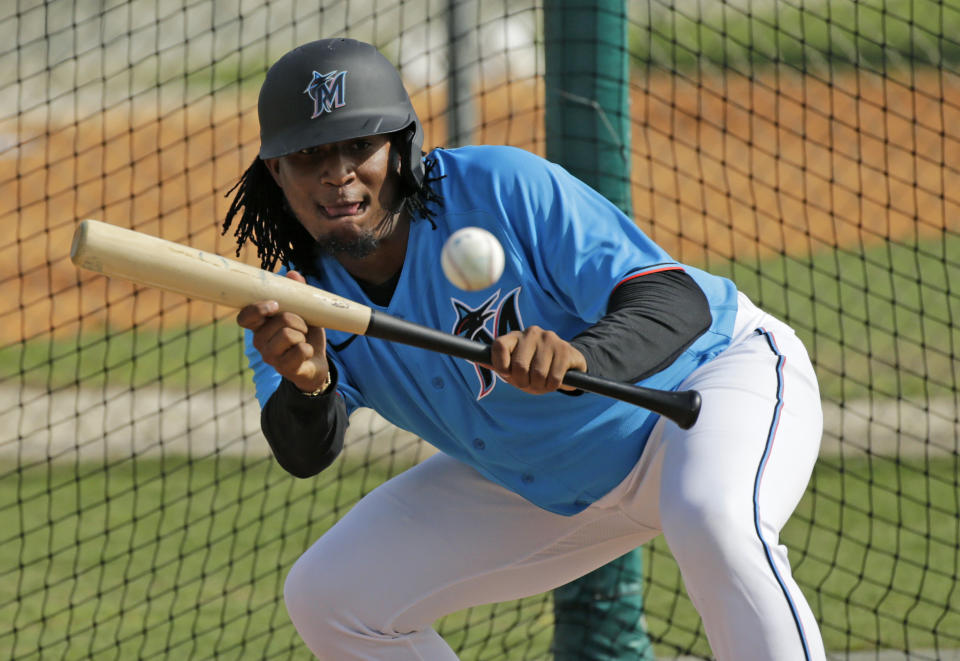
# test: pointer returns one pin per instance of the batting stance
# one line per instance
(534, 485)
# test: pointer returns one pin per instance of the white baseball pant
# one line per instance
(440, 537)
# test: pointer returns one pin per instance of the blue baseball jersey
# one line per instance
(567, 248)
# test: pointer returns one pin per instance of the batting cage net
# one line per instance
(809, 149)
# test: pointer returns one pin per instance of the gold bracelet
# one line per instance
(322, 389)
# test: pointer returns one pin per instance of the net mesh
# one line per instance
(809, 150)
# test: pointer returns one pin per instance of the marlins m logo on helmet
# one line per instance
(328, 91)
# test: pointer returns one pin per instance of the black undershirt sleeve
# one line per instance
(305, 433)
(650, 321)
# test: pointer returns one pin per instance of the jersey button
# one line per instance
(437, 383)
(479, 444)
(527, 478)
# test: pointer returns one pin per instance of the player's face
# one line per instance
(342, 192)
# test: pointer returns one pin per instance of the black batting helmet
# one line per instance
(336, 89)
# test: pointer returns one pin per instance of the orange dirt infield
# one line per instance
(727, 166)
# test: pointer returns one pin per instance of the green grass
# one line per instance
(150, 558)
(879, 540)
(874, 34)
(145, 558)
(874, 546)
(129, 357)
(877, 321)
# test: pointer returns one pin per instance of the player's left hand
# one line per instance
(535, 360)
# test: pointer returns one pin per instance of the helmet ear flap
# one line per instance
(411, 155)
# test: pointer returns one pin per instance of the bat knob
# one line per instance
(689, 409)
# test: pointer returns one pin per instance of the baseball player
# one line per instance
(534, 485)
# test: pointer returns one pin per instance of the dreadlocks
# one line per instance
(267, 222)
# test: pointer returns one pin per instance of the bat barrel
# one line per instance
(155, 262)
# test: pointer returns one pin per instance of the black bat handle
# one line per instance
(683, 407)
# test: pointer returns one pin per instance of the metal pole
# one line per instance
(600, 616)
(461, 67)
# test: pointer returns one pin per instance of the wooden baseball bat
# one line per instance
(148, 260)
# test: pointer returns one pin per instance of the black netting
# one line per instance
(809, 150)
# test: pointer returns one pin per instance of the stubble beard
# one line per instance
(360, 246)
(357, 247)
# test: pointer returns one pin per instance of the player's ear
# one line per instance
(273, 167)
(396, 157)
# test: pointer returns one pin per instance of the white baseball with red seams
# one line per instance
(472, 259)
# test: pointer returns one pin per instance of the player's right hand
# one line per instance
(287, 343)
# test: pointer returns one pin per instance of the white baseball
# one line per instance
(472, 259)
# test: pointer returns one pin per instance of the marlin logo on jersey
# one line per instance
(472, 323)
(327, 91)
